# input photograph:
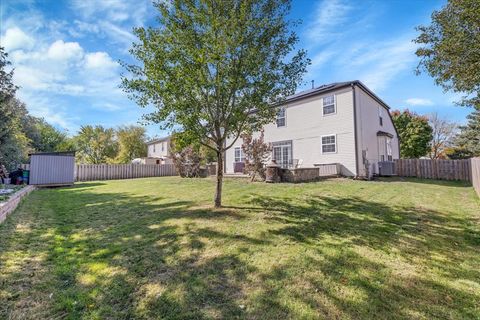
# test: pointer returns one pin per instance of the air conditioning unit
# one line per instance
(386, 168)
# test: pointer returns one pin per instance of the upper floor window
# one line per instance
(380, 116)
(329, 105)
(162, 146)
(281, 117)
(329, 144)
(239, 156)
(154, 148)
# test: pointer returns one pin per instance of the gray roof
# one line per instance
(331, 87)
(159, 140)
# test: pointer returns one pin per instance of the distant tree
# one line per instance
(257, 153)
(131, 143)
(443, 132)
(450, 49)
(467, 142)
(13, 143)
(96, 145)
(415, 133)
(214, 68)
(50, 139)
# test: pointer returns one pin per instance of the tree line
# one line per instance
(436, 137)
(22, 133)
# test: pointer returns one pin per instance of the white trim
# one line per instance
(321, 143)
(284, 117)
(334, 105)
(242, 156)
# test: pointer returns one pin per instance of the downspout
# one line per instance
(355, 129)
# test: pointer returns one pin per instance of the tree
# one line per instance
(450, 49)
(10, 136)
(214, 69)
(96, 144)
(131, 143)
(467, 142)
(257, 152)
(415, 133)
(443, 132)
(49, 138)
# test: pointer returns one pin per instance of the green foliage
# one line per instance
(131, 143)
(213, 69)
(50, 139)
(96, 145)
(450, 49)
(415, 133)
(468, 140)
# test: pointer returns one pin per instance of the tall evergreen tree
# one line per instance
(468, 140)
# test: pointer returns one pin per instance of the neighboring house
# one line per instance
(158, 151)
(344, 123)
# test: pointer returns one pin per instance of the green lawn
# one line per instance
(154, 248)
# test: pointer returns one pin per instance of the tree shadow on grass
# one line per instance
(365, 231)
(122, 256)
(105, 255)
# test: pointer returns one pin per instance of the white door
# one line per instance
(282, 153)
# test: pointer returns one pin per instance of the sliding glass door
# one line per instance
(282, 153)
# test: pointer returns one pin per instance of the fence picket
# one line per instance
(89, 172)
(435, 169)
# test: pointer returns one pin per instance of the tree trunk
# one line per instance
(218, 191)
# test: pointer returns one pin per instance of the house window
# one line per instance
(162, 146)
(329, 144)
(389, 149)
(381, 120)
(239, 156)
(329, 105)
(380, 116)
(153, 148)
(281, 117)
(282, 153)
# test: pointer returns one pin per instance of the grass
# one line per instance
(154, 248)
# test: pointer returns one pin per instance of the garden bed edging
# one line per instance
(11, 204)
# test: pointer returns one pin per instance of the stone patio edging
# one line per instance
(11, 204)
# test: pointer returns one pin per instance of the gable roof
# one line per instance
(158, 140)
(332, 87)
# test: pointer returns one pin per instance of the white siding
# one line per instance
(155, 149)
(306, 124)
(368, 124)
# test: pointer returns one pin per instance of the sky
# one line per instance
(66, 55)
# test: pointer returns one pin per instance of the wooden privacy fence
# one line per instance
(89, 172)
(435, 169)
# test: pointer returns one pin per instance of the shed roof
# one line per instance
(62, 153)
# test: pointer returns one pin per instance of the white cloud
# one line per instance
(384, 62)
(65, 51)
(15, 38)
(99, 60)
(329, 15)
(419, 102)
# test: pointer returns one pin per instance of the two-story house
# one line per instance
(158, 151)
(344, 123)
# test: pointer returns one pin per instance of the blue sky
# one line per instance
(66, 54)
